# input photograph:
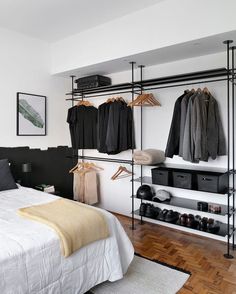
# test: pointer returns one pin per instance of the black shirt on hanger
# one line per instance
(83, 126)
(103, 115)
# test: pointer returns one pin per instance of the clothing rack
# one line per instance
(137, 87)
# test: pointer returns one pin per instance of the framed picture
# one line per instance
(31, 114)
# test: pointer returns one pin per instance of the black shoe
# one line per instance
(142, 209)
(183, 219)
(203, 224)
(172, 216)
(162, 215)
(213, 226)
(150, 211)
(156, 211)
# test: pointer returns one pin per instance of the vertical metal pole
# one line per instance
(72, 104)
(233, 143)
(72, 89)
(228, 255)
(141, 129)
(132, 142)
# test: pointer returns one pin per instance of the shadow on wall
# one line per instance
(49, 166)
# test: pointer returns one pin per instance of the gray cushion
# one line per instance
(6, 179)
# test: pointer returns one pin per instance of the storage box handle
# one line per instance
(179, 176)
(206, 179)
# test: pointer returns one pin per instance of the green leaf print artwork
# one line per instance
(29, 113)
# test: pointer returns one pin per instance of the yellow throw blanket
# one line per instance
(76, 224)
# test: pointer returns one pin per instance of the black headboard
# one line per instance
(49, 166)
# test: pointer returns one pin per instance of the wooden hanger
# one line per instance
(145, 100)
(206, 91)
(85, 166)
(121, 169)
(84, 102)
(120, 99)
(110, 100)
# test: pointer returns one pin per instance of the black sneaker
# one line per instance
(142, 209)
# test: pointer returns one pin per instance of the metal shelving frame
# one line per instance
(188, 79)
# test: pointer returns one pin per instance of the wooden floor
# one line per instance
(203, 257)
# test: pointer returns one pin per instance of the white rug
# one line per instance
(145, 277)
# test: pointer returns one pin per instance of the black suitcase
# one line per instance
(92, 82)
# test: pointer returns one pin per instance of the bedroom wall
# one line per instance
(115, 195)
(25, 67)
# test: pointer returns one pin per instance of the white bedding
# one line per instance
(30, 255)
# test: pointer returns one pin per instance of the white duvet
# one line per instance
(30, 255)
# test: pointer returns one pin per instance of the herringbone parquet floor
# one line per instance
(203, 257)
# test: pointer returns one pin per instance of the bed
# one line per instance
(30, 256)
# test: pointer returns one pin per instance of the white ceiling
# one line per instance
(199, 47)
(52, 20)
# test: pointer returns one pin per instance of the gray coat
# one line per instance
(188, 138)
(184, 108)
(207, 135)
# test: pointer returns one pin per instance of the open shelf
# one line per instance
(207, 74)
(148, 180)
(105, 89)
(190, 204)
(223, 232)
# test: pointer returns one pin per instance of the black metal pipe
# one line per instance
(104, 159)
(228, 255)
(100, 95)
(141, 130)
(233, 143)
(72, 89)
(183, 84)
(207, 74)
(132, 142)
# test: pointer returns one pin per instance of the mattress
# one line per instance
(30, 255)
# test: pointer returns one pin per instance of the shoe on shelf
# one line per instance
(183, 219)
(142, 209)
(172, 216)
(162, 215)
(150, 211)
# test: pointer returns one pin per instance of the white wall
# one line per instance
(115, 195)
(165, 24)
(25, 67)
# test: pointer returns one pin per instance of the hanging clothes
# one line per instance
(183, 114)
(209, 135)
(188, 138)
(172, 147)
(83, 126)
(196, 128)
(103, 116)
(114, 127)
(85, 187)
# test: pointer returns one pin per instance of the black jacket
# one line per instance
(172, 147)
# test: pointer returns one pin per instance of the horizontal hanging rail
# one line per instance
(206, 74)
(183, 84)
(125, 161)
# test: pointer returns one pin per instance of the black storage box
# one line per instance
(182, 179)
(212, 182)
(161, 176)
(92, 82)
